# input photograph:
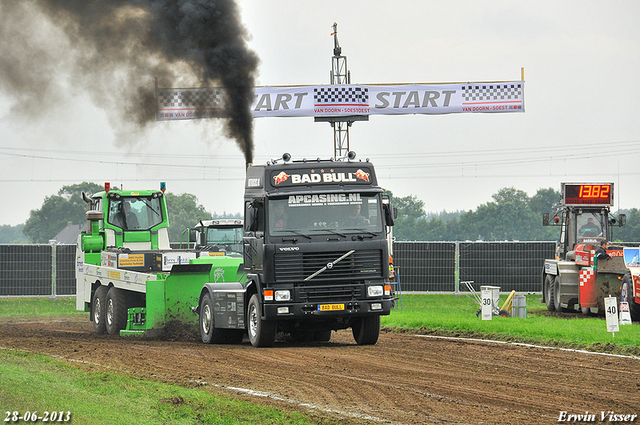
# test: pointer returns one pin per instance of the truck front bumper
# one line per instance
(321, 311)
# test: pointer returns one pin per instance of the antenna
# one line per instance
(340, 75)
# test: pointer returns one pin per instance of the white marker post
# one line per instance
(625, 314)
(487, 304)
(611, 311)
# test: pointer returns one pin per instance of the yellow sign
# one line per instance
(113, 274)
(131, 260)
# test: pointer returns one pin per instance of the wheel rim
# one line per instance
(206, 319)
(109, 314)
(253, 322)
(97, 309)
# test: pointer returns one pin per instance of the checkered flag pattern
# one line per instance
(341, 95)
(492, 92)
(190, 98)
(585, 276)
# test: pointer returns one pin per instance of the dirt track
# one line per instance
(404, 379)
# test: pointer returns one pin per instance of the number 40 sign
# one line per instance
(611, 311)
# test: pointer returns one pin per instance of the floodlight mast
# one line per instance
(340, 75)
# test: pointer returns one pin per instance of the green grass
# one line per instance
(456, 315)
(38, 306)
(32, 382)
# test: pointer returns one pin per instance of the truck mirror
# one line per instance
(193, 235)
(389, 214)
(252, 218)
(622, 220)
(545, 219)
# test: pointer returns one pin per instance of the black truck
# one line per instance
(315, 253)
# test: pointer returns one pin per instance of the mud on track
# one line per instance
(404, 379)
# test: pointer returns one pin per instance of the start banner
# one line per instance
(346, 100)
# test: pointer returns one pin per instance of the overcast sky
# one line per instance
(581, 119)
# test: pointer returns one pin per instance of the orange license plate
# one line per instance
(330, 307)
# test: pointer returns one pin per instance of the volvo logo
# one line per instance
(329, 266)
(289, 248)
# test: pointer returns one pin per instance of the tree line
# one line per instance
(511, 215)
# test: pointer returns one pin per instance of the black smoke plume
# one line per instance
(115, 49)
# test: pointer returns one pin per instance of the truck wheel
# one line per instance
(206, 322)
(98, 308)
(116, 311)
(262, 333)
(366, 330)
(634, 307)
(549, 293)
(556, 294)
(322, 336)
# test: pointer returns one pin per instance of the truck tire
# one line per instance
(98, 308)
(116, 311)
(262, 333)
(549, 293)
(366, 330)
(634, 307)
(322, 336)
(208, 332)
(557, 294)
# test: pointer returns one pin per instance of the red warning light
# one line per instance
(107, 187)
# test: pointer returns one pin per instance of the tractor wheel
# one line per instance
(116, 311)
(262, 333)
(556, 294)
(98, 308)
(549, 293)
(627, 288)
(366, 330)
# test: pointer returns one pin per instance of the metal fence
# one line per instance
(36, 270)
(441, 266)
(41, 270)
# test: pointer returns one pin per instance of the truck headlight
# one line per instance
(283, 295)
(375, 291)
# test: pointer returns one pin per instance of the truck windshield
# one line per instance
(227, 238)
(325, 213)
(135, 213)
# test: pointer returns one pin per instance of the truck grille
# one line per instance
(331, 293)
(295, 267)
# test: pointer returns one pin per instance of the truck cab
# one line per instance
(220, 235)
(315, 249)
(136, 220)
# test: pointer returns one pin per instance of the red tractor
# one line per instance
(576, 279)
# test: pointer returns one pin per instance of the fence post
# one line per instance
(54, 260)
(456, 272)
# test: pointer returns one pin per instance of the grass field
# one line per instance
(456, 315)
(31, 381)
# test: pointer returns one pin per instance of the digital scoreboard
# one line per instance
(588, 194)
